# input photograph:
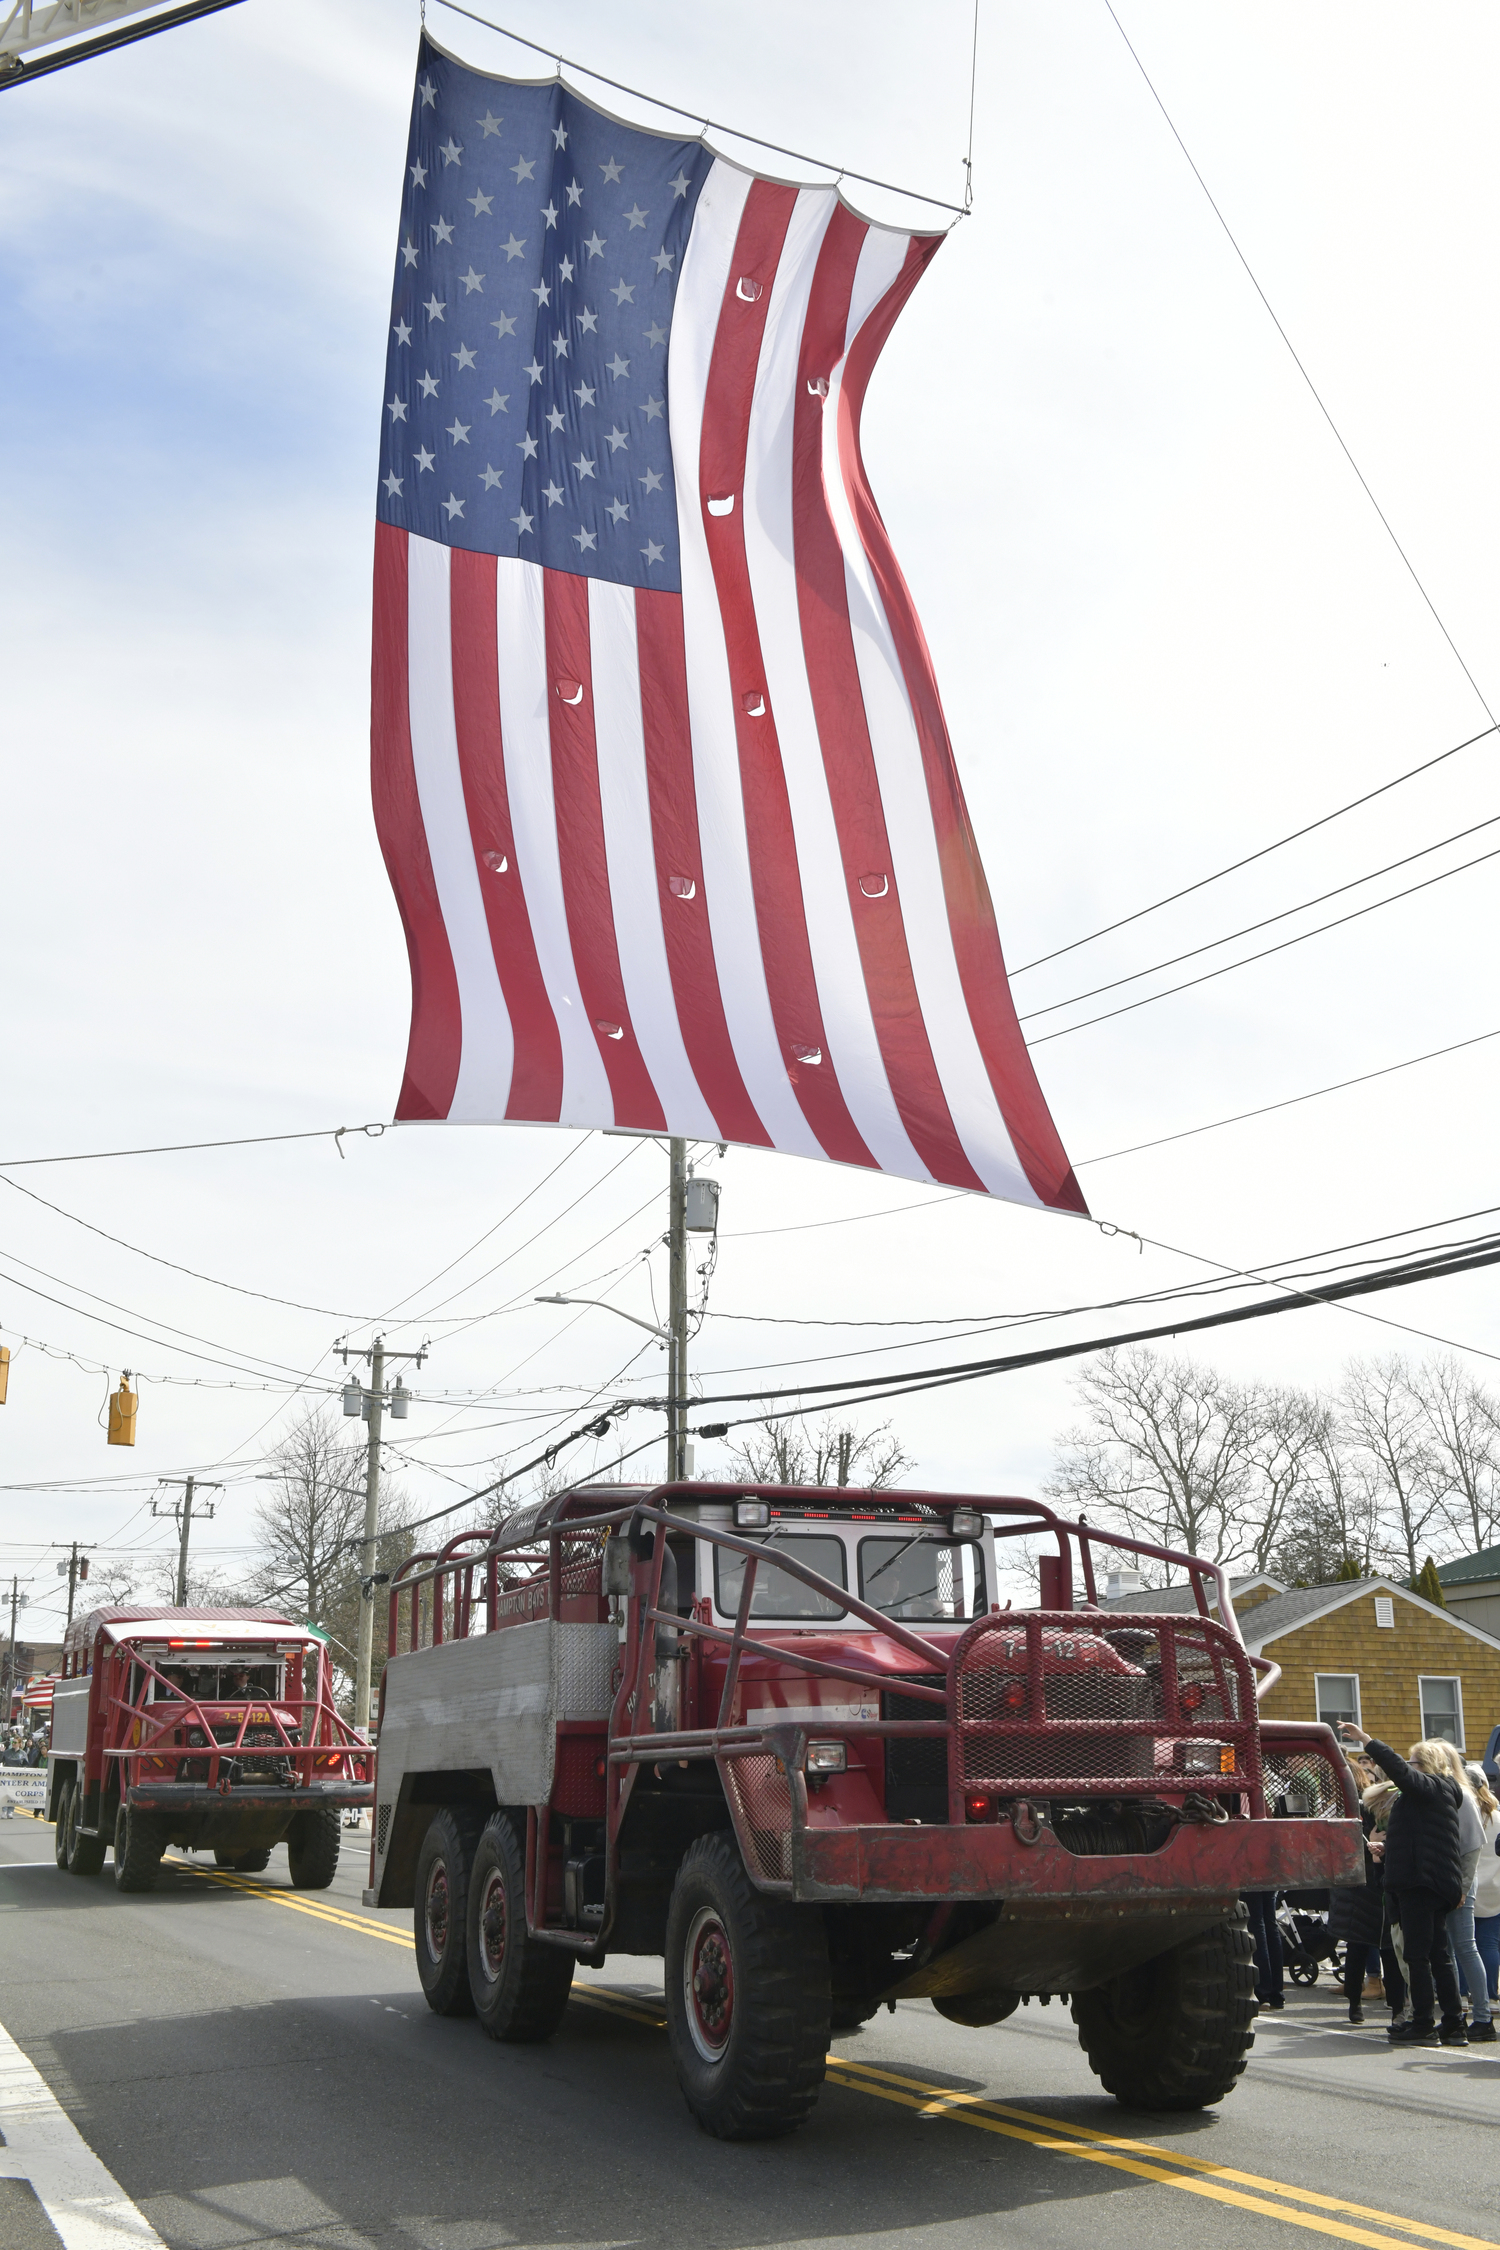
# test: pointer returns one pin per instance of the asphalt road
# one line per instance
(262, 2069)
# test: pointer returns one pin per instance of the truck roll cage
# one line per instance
(293, 1741)
(988, 1697)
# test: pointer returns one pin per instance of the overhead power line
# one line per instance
(1266, 921)
(863, 1388)
(1250, 858)
(1266, 951)
(1301, 368)
(334, 1133)
(1218, 1123)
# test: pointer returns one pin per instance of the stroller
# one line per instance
(1302, 1925)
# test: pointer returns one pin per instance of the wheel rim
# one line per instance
(435, 1910)
(708, 1984)
(493, 1919)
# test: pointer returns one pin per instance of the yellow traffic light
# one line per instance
(122, 1407)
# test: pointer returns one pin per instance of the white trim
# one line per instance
(1387, 1622)
(1355, 1590)
(1319, 1678)
(1453, 1679)
(84, 2201)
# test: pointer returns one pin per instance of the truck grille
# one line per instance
(1050, 1700)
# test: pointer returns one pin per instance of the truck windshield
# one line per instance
(931, 1580)
(777, 1593)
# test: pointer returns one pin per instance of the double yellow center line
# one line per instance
(1143, 2160)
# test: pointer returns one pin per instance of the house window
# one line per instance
(1338, 1698)
(1442, 1710)
(1385, 1610)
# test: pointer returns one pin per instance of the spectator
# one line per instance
(1475, 1835)
(1357, 1916)
(1487, 1885)
(1422, 1872)
(1266, 1939)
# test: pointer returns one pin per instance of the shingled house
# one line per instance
(1366, 1649)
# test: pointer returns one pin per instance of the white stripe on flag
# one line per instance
(487, 1048)
(903, 789)
(634, 889)
(525, 729)
(716, 774)
(770, 544)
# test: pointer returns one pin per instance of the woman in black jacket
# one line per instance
(1422, 1874)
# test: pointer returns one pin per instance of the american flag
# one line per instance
(661, 773)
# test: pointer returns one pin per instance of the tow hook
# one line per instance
(1026, 1821)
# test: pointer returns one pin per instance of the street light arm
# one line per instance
(650, 1327)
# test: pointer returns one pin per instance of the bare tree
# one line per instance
(1385, 1425)
(1285, 1433)
(307, 1520)
(835, 1453)
(1333, 1522)
(1462, 1422)
(1165, 1454)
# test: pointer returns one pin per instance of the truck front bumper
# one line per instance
(1197, 1865)
(185, 1797)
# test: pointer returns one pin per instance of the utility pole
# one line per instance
(183, 1511)
(75, 1570)
(372, 1404)
(677, 1309)
(18, 1601)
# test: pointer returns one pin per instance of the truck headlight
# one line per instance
(827, 1757)
(752, 1515)
(966, 1523)
(1206, 1757)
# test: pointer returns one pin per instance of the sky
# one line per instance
(1169, 625)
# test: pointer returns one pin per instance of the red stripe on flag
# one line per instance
(537, 1074)
(774, 870)
(432, 1053)
(580, 839)
(971, 913)
(844, 734)
(667, 729)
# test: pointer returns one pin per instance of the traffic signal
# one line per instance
(122, 1407)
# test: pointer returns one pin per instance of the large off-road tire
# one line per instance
(312, 1848)
(520, 1986)
(440, 1911)
(748, 2002)
(81, 1855)
(243, 1863)
(140, 1841)
(1174, 2033)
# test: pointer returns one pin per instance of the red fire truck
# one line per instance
(790, 1741)
(210, 1728)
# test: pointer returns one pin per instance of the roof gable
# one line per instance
(1301, 1605)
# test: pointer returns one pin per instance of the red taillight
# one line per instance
(1013, 1697)
(1191, 1697)
(979, 1808)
